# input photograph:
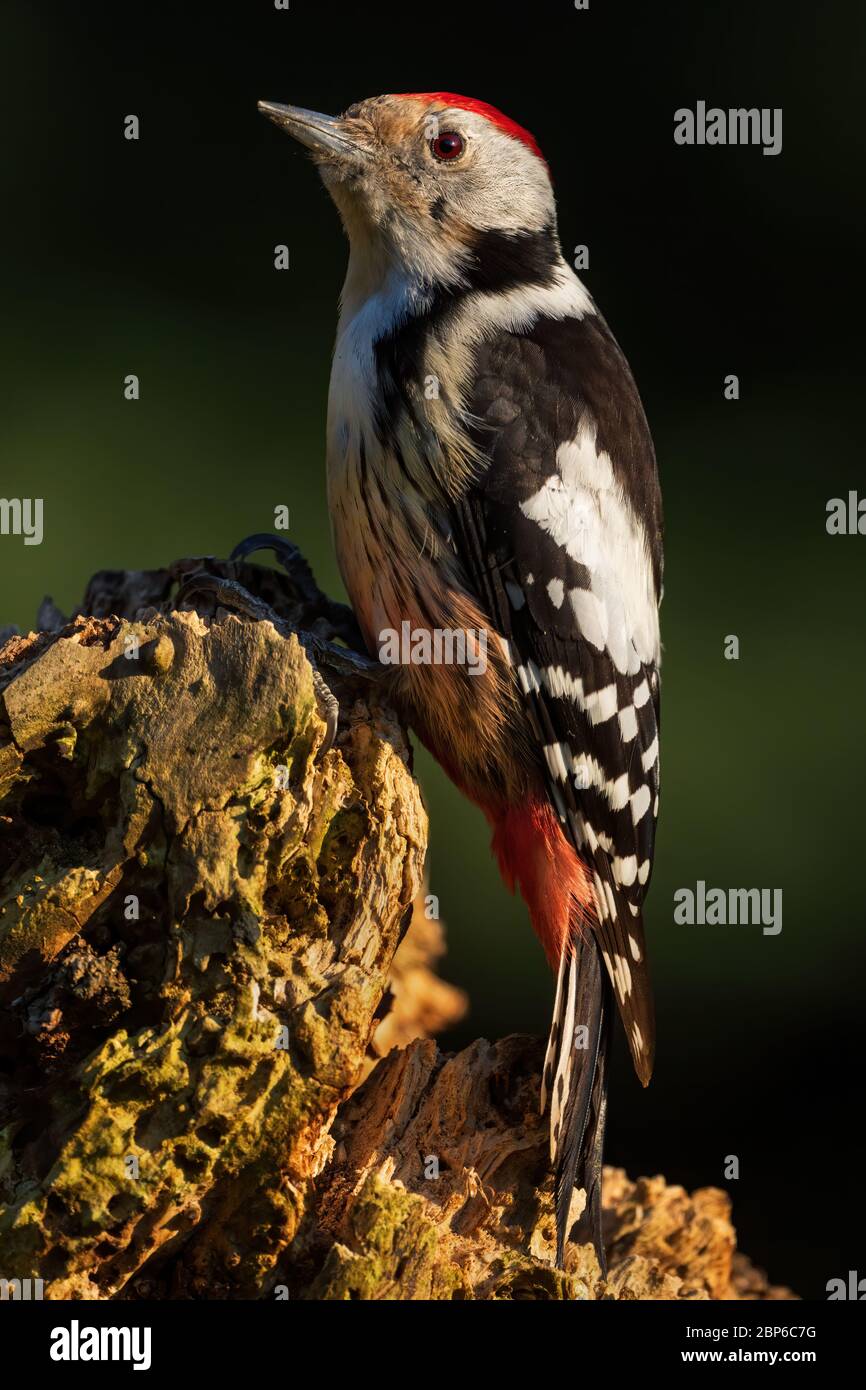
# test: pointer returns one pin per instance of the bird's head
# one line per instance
(423, 180)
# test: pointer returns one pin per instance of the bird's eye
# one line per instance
(448, 145)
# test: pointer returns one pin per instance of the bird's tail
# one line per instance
(534, 853)
(575, 1081)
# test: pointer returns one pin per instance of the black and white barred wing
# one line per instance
(564, 530)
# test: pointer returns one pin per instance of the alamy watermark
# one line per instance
(436, 646)
(77, 1343)
(712, 125)
(22, 516)
(21, 1290)
(846, 516)
(722, 907)
(853, 1288)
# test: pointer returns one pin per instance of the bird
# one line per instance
(491, 472)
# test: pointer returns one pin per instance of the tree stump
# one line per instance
(216, 1079)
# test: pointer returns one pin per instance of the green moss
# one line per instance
(395, 1253)
(516, 1277)
(243, 883)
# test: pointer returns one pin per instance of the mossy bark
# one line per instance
(440, 1187)
(198, 915)
(215, 1075)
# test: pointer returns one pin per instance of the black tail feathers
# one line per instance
(575, 1077)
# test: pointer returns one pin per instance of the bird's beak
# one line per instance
(324, 135)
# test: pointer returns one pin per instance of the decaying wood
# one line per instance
(216, 1075)
(440, 1188)
(420, 1004)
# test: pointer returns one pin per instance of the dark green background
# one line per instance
(157, 258)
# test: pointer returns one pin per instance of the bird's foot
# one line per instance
(338, 615)
(230, 594)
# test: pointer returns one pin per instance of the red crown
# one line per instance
(482, 108)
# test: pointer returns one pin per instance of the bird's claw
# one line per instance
(330, 706)
(229, 594)
(297, 567)
(289, 558)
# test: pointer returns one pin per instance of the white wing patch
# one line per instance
(584, 510)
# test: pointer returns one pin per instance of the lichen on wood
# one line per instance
(198, 915)
(440, 1187)
(216, 1074)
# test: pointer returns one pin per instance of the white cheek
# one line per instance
(501, 185)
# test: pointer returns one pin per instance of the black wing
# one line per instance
(561, 535)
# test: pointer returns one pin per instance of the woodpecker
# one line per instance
(490, 470)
